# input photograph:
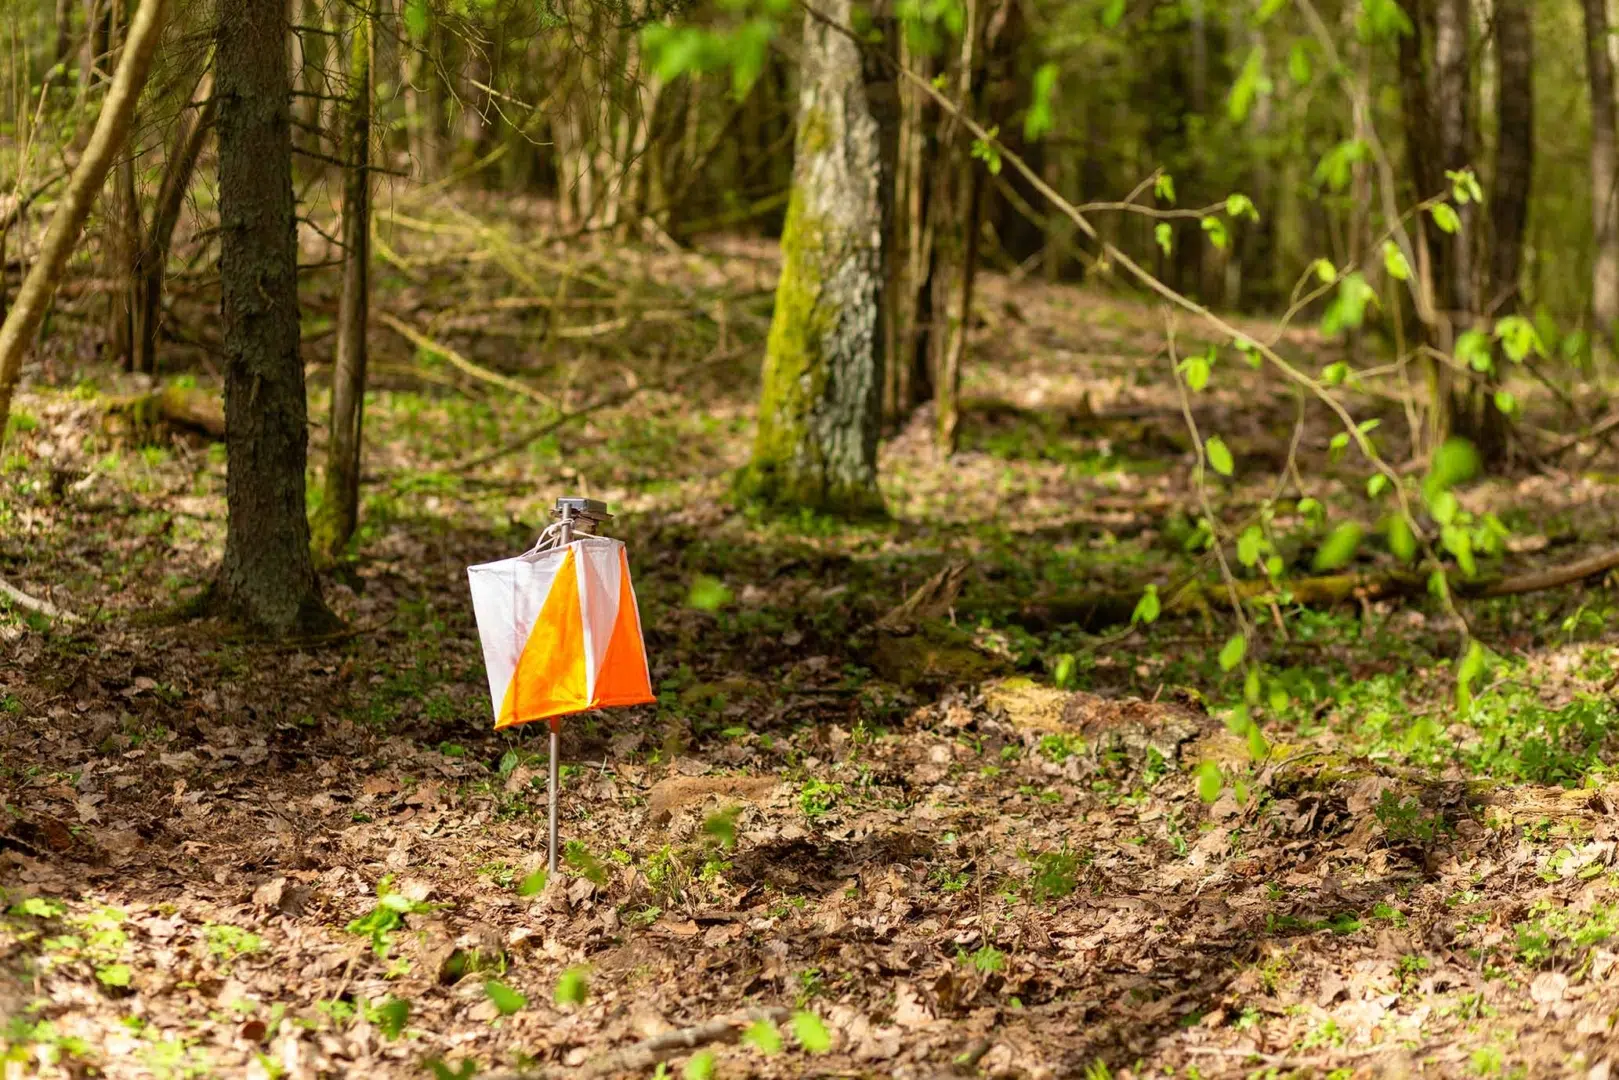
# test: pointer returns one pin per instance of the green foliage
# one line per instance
(740, 48)
(763, 1035)
(388, 914)
(573, 986)
(811, 1033)
(1348, 308)
(1041, 117)
(1339, 547)
(504, 998)
(708, 594)
(1219, 455)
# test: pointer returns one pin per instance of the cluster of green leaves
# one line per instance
(1557, 934)
(387, 915)
(739, 44)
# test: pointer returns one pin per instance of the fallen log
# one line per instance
(1094, 611)
(187, 407)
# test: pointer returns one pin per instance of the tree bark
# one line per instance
(178, 166)
(1509, 202)
(112, 126)
(266, 581)
(1604, 169)
(340, 504)
(1453, 99)
(820, 405)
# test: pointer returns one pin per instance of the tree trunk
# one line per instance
(1604, 169)
(340, 506)
(1509, 202)
(266, 580)
(1453, 99)
(178, 166)
(820, 405)
(112, 126)
(122, 232)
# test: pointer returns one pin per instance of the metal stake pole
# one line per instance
(565, 537)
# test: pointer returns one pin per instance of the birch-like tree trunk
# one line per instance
(820, 405)
(112, 128)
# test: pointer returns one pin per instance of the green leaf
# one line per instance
(1336, 166)
(1249, 84)
(1443, 506)
(1311, 508)
(1219, 456)
(573, 986)
(1394, 261)
(700, 1066)
(1402, 541)
(1209, 781)
(1112, 13)
(1041, 118)
(1164, 188)
(1445, 216)
(505, 998)
(1473, 349)
(1467, 673)
(1459, 542)
(1217, 232)
(1325, 271)
(1251, 687)
(1519, 338)
(416, 19)
(811, 1033)
(1376, 485)
(1298, 63)
(114, 975)
(1195, 369)
(1348, 308)
(1238, 206)
(389, 1016)
(1250, 545)
(1238, 720)
(1464, 186)
(1257, 746)
(708, 594)
(1505, 402)
(40, 907)
(1162, 233)
(1382, 19)
(1339, 547)
(1236, 647)
(1274, 566)
(763, 1034)
(1147, 607)
(533, 884)
(1455, 462)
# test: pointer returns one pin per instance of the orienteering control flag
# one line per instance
(560, 631)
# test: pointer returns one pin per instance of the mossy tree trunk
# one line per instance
(266, 580)
(820, 406)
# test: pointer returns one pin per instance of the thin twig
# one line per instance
(477, 371)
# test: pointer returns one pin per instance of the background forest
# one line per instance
(1119, 492)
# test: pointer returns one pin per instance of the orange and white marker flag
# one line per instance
(560, 631)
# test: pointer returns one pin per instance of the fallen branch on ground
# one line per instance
(647, 1053)
(483, 374)
(34, 604)
(1097, 610)
(178, 406)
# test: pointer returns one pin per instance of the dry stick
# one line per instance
(111, 127)
(638, 1057)
(31, 603)
(483, 374)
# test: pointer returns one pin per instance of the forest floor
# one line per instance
(974, 846)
